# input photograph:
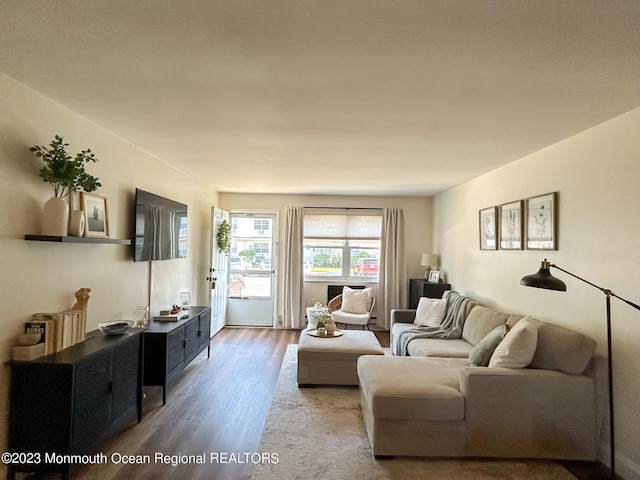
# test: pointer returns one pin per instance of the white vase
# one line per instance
(55, 217)
(76, 223)
(330, 326)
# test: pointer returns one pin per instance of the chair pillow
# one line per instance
(355, 301)
(430, 311)
(518, 347)
(482, 352)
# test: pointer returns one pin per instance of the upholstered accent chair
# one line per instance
(353, 307)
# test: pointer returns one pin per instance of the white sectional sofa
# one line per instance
(434, 403)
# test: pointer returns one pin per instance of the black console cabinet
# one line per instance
(71, 401)
(419, 287)
(170, 346)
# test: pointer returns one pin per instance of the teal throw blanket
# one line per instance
(451, 326)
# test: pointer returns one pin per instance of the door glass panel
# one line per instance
(251, 257)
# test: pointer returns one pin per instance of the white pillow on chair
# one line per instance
(355, 301)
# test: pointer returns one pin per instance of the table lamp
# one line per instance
(428, 260)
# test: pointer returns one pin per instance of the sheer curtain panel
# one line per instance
(293, 272)
(392, 284)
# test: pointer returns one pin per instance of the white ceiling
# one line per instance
(375, 97)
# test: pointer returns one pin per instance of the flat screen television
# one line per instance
(160, 228)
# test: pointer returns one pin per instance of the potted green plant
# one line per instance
(67, 175)
(325, 323)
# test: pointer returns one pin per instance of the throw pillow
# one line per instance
(430, 312)
(354, 301)
(482, 352)
(518, 346)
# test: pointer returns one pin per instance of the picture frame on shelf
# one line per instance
(511, 226)
(434, 276)
(541, 222)
(96, 215)
(488, 219)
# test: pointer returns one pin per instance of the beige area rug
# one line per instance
(318, 433)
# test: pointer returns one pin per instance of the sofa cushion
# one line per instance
(562, 349)
(439, 347)
(482, 352)
(480, 322)
(518, 347)
(426, 389)
(430, 311)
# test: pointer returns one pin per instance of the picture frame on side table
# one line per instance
(511, 226)
(488, 227)
(541, 222)
(96, 215)
(434, 276)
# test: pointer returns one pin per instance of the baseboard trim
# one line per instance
(625, 467)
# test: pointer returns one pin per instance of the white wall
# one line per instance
(596, 175)
(39, 276)
(417, 217)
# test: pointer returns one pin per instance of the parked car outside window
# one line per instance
(366, 266)
(238, 263)
(265, 264)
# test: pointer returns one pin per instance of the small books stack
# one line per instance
(58, 330)
(171, 317)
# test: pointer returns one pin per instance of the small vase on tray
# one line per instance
(330, 326)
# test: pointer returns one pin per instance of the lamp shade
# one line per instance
(429, 259)
(544, 279)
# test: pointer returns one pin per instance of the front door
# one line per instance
(218, 273)
(252, 269)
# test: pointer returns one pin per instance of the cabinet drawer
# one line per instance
(191, 330)
(126, 360)
(93, 377)
(205, 327)
(176, 350)
(91, 422)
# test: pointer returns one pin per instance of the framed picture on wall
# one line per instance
(541, 224)
(96, 215)
(511, 226)
(488, 228)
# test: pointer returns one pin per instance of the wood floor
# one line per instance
(217, 406)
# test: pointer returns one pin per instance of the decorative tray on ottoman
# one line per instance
(314, 333)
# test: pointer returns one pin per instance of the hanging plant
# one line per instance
(224, 237)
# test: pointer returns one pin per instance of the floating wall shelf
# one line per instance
(50, 238)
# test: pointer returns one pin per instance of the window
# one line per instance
(261, 225)
(261, 248)
(342, 245)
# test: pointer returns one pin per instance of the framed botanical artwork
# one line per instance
(434, 276)
(541, 224)
(488, 228)
(96, 215)
(511, 225)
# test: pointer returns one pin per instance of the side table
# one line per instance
(420, 287)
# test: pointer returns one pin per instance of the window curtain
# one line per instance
(293, 272)
(392, 283)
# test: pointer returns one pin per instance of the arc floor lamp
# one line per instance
(544, 279)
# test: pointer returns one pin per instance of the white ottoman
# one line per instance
(333, 361)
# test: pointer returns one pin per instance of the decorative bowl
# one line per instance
(115, 327)
(27, 339)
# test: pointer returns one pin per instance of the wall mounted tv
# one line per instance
(160, 228)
